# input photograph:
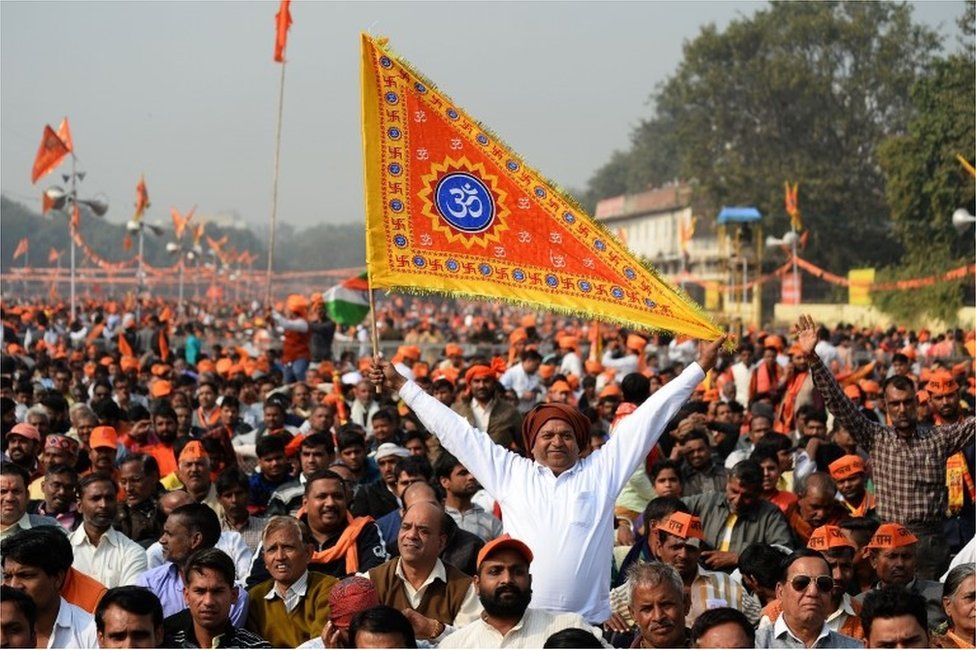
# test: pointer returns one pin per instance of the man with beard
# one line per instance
(58, 450)
(58, 487)
(679, 546)
(24, 446)
(344, 544)
(849, 473)
(561, 504)
(504, 588)
(460, 485)
(838, 551)
(487, 412)
(816, 506)
(436, 597)
(13, 502)
(137, 518)
(804, 591)
(893, 554)
(188, 529)
(909, 462)
(100, 551)
(193, 475)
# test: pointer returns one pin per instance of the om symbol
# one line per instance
(422, 154)
(464, 202)
(455, 143)
(419, 116)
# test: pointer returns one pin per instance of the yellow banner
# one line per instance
(859, 292)
(451, 209)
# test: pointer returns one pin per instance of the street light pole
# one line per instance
(71, 233)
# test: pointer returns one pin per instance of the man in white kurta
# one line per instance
(561, 506)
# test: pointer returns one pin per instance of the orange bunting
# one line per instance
(49, 155)
(451, 209)
(282, 23)
(23, 247)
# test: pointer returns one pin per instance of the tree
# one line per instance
(803, 92)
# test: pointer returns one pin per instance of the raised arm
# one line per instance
(490, 463)
(863, 429)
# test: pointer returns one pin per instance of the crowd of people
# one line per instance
(228, 476)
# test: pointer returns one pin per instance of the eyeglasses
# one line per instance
(824, 583)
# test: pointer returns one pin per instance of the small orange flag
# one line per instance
(51, 152)
(163, 345)
(180, 222)
(198, 233)
(46, 203)
(75, 216)
(142, 198)
(282, 22)
(127, 242)
(23, 246)
(53, 256)
(124, 346)
(64, 132)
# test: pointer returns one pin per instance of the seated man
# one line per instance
(804, 591)
(849, 473)
(380, 497)
(210, 593)
(816, 506)
(273, 472)
(316, 451)
(188, 529)
(18, 619)
(100, 551)
(13, 492)
(436, 597)
(138, 517)
(838, 551)
(233, 486)
(406, 472)
(700, 473)
(895, 618)
(758, 569)
(658, 606)
(381, 627)
(737, 517)
(129, 617)
(344, 544)
(293, 606)
(193, 475)
(722, 627)
(893, 552)
(58, 486)
(460, 486)
(504, 588)
(679, 546)
(32, 564)
(645, 546)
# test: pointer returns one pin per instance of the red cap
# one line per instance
(26, 430)
(503, 542)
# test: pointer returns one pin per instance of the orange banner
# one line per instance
(49, 155)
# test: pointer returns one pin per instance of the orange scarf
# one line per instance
(764, 380)
(787, 413)
(345, 546)
(958, 478)
(869, 502)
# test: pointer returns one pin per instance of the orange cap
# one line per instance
(26, 430)
(852, 391)
(528, 320)
(420, 370)
(637, 343)
(891, 536)
(453, 350)
(205, 365)
(193, 451)
(773, 341)
(846, 466)
(517, 335)
(223, 365)
(869, 386)
(106, 361)
(593, 367)
(908, 351)
(611, 390)
(560, 387)
(828, 537)
(159, 369)
(683, 525)
(103, 437)
(129, 363)
(297, 303)
(503, 542)
(411, 352)
(941, 383)
(160, 388)
(567, 342)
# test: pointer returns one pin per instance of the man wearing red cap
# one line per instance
(909, 462)
(504, 588)
(486, 411)
(894, 552)
(24, 446)
(556, 502)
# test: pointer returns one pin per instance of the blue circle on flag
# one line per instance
(391, 98)
(512, 166)
(394, 133)
(385, 62)
(396, 205)
(451, 113)
(569, 217)
(629, 272)
(617, 293)
(421, 88)
(419, 262)
(395, 169)
(452, 265)
(400, 241)
(541, 193)
(584, 286)
(552, 281)
(518, 275)
(464, 202)
(650, 303)
(482, 138)
(599, 245)
(485, 269)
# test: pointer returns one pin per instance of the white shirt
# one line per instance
(73, 628)
(293, 594)
(482, 414)
(566, 520)
(624, 365)
(116, 560)
(571, 365)
(531, 632)
(520, 382)
(742, 376)
(231, 542)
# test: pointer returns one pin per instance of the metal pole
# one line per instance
(796, 286)
(139, 287)
(274, 184)
(71, 227)
(179, 307)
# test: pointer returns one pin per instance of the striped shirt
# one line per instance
(709, 589)
(476, 521)
(910, 475)
(180, 634)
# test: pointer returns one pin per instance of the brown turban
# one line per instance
(542, 413)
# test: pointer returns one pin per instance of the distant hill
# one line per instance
(324, 246)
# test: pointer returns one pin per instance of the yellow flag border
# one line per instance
(371, 139)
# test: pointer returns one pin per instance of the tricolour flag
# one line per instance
(23, 246)
(451, 209)
(49, 155)
(347, 303)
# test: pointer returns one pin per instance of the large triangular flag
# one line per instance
(51, 152)
(451, 209)
(347, 303)
(64, 133)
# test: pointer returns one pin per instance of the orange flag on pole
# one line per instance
(451, 209)
(180, 222)
(75, 216)
(792, 205)
(124, 346)
(64, 133)
(282, 23)
(53, 256)
(163, 345)
(142, 198)
(49, 155)
(127, 242)
(23, 247)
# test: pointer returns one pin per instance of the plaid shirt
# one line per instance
(910, 475)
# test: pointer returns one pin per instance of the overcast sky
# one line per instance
(186, 92)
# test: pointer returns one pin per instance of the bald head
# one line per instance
(173, 500)
(818, 484)
(419, 492)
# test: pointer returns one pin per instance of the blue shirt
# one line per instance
(166, 583)
(192, 346)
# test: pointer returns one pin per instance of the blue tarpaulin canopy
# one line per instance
(738, 214)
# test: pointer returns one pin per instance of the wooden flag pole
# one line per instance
(274, 185)
(373, 334)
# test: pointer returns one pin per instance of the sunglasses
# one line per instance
(824, 583)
